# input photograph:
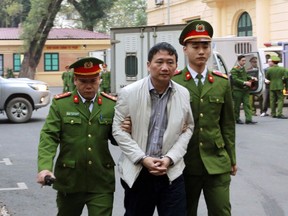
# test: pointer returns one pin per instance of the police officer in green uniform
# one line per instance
(80, 124)
(68, 80)
(210, 157)
(105, 76)
(241, 84)
(278, 80)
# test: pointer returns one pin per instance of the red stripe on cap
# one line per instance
(85, 70)
(195, 33)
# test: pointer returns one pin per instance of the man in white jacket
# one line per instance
(162, 124)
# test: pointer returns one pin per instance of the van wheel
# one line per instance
(19, 110)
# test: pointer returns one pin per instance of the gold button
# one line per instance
(201, 100)
(72, 121)
(108, 165)
(201, 144)
(89, 135)
(89, 123)
(64, 165)
(201, 114)
(89, 149)
(90, 162)
(217, 100)
(201, 129)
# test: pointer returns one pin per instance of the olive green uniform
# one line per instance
(278, 80)
(241, 92)
(68, 81)
(84, 165)
(105, 83)
(211, 150)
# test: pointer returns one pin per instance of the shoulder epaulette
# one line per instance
(111, 97)
(218, 73)
(237, 66)
(177, 72)
(62, 95)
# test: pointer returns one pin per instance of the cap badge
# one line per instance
(88, 64)
(200, 28)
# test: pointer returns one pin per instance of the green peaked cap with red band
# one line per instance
(198, 31)
(275, 58)
(87, 66)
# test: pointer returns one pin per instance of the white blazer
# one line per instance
(134, 100)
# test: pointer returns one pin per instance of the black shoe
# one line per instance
(251, 122)
(281, 117)
(239, 122)
(274, 116)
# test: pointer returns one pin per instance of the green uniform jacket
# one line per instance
(105, 79)
(277, 77)
(213, 140)
(238, 77)
(84, 163)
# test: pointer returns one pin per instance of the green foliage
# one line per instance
(91, 11)
(124, 13)
(9, 73)
(39, 13)
(12, 11)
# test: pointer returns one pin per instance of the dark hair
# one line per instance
(240, 57)
(253, 58)
(162, 46)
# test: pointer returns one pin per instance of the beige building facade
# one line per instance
(62, 48)
(268, 18)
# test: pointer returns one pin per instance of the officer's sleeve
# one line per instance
(49, 139)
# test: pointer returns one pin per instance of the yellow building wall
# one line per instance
(69, 51)
(269, 17)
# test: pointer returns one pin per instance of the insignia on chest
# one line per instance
(72, 113)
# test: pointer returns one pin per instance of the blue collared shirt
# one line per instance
(158, 120)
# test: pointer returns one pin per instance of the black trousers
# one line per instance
(151, 191)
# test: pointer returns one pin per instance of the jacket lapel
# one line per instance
(207, 85)
(189, 83)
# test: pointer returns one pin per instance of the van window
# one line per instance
(131, 65)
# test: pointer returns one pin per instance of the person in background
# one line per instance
(68, 80)
(105, 79)
(242, 83)
(211, 153)
(253, 97)
(80, 124)
(266, 93)
(278, 81)
(152, 162)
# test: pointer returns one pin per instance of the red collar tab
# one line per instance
(188, 75)
(99, 100)
(76, 99)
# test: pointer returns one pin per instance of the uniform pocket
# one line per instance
(105, 121)
(71, 120)
(219, 143)
(216, 99)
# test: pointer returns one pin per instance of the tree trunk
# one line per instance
(28, 69)
(34, 52)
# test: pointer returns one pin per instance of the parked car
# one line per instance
(20, 96)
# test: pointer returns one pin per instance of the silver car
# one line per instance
(20, 96)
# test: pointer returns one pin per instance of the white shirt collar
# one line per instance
(83, 99)
(194, 73)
